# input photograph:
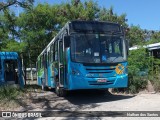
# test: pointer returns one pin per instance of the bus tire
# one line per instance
(44, 88)
(57, 89)
(60, 91)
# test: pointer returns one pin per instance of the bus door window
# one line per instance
(16, 71)
(10, 70)
(7, 71)
(61, 62)
(61, 52)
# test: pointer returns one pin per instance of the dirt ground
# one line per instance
(90, 101)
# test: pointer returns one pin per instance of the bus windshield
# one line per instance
(98, 48)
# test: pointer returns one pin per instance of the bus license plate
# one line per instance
(101, 80)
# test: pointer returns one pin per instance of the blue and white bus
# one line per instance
(84, 55)
(10, 69)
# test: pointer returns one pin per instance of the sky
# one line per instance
(145, 13)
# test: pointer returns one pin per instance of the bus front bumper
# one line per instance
(77, 83)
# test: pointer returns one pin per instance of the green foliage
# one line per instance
(156, 83)
(155, 79)
(14, 46)
(109, 15)
(136, 83)
(156, 36)
(23, 3)
(9, 92)
(35, 27)
(138, 60)
(39, 25)
(139, 63)
(154, 76)
(12, 97)
(143, 67)
(135, 35)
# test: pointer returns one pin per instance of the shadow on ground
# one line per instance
(74, 103)
(32, 86)
(94, 96)
(78, 97)
(77, 100)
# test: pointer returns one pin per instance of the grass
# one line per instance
(8, 96)
(8, 92)
(12, 97)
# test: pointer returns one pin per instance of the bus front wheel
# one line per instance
(44, 87)
(60, 91)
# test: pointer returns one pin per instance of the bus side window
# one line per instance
(56, 51)
(48, 58)
(67, 41)
(39, 64)
(51, 53)
(41, 61)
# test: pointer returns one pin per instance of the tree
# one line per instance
(23, 3)
(135, 36)
(34, 28)
(7, 27)
(109, 15)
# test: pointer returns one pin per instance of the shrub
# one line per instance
(136, 84)
(8, 92)
(155, 80)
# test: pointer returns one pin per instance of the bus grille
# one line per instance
(100, 72)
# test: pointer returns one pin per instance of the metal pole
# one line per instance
(152, 62)
(23, 69)
(30, 65)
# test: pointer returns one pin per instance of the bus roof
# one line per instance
(8, 55)
(149, 47)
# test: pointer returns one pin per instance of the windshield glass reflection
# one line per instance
(97, 48)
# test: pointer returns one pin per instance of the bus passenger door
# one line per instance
(11, 76)
(60, 63)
